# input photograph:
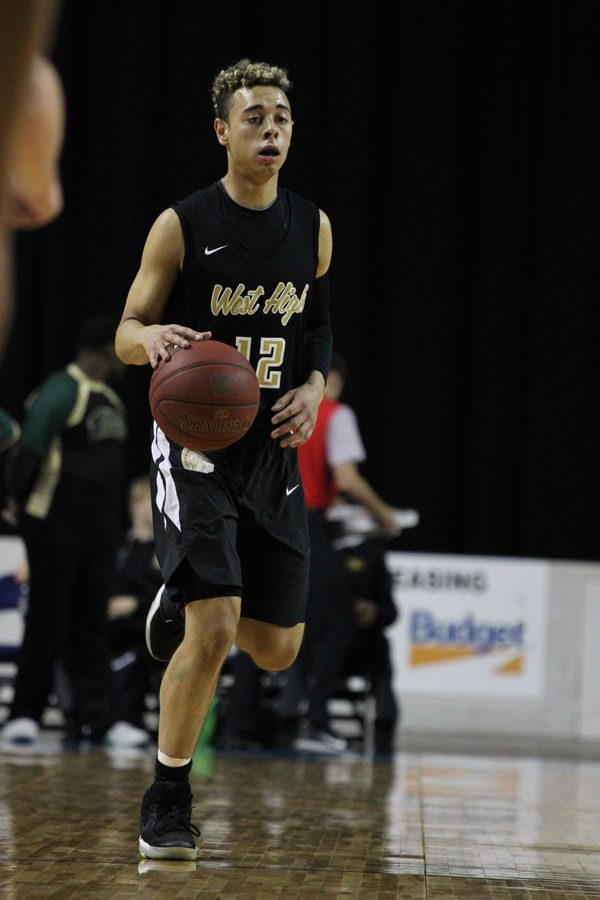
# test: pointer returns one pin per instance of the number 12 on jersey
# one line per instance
(272, 351)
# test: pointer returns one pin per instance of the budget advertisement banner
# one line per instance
(469, 626)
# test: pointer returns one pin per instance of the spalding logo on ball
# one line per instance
(205, 397)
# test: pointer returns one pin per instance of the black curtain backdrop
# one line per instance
(456, 148)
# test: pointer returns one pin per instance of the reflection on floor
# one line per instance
(415, 825)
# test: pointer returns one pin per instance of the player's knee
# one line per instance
(277, 655)
(218, 640)
(210, 633)
(283, 659)
(271, 647)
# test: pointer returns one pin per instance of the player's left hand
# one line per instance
(296, 414)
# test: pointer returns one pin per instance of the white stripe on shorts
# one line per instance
(166, 496)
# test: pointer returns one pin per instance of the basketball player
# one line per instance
(230, 527)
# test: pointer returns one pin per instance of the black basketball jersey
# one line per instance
(248, 277)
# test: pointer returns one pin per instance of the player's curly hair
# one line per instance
(245, 74)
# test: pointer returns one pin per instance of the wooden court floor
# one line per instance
(414, 826)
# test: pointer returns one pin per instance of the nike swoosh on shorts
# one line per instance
(208, 252)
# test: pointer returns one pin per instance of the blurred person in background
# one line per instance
(373, 610)
(243, 720)
(329, 465)
(136, 582)
(10, 431)
(330, 460)
(32, 117)
(350, 602)
(65, 481)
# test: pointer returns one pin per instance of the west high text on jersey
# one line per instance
(284, 301)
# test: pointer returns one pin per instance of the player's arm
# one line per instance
(349, 481)
(318, 340)
(297, 409)
(325, 244)
(344, 452)
(140, 337)
(46, 419)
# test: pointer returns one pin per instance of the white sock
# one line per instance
(172, 760)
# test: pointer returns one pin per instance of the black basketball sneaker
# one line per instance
(165, 626)
(166, 830)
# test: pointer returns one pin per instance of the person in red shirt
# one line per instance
(329, 460)
(329, 466)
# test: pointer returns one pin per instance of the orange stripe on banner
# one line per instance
(512, 667)
(423, 656)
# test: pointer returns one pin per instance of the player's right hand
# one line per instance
(159, 341)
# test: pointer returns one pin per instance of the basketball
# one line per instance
(205, 397)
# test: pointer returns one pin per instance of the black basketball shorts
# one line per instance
(232, 523)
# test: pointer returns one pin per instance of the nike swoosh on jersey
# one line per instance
(289, 491)
(208, 252)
